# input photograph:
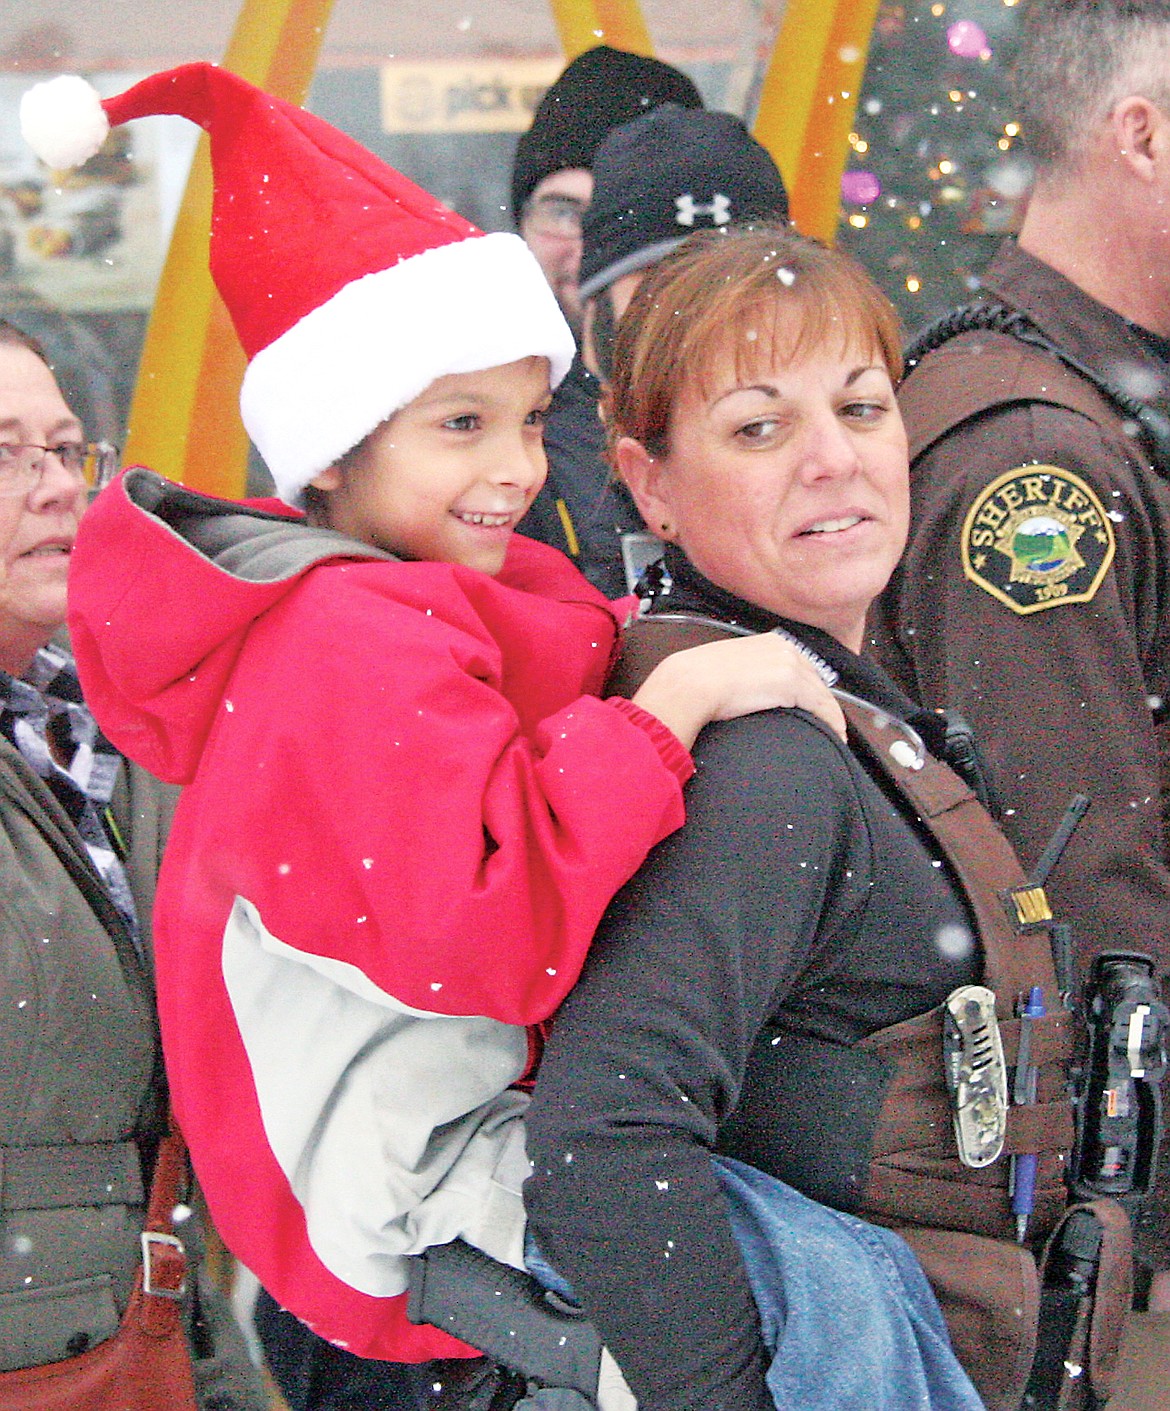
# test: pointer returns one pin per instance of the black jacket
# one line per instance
(797, 898)
(581, 488)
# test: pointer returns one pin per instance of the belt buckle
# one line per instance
(172, 1257)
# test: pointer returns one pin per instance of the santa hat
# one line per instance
(351, 289)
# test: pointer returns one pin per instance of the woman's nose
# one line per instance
(828, 449)
(56, 487)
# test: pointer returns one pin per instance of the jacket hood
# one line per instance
(164, 585)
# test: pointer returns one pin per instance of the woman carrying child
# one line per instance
(405, 807)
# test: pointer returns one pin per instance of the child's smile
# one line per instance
(450, 475)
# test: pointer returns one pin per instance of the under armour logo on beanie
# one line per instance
(689, 210)
(650, 177)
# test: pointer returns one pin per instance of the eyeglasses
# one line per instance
(91, 463)
(555, 215)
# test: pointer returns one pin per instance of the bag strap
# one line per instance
(162, 1279)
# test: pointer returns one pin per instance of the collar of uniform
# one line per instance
(684, 589)
(1075, 321)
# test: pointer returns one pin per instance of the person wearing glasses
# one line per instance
(552, 179)
(44, 481)
(42, 495)
(656, 180)
(82, 1101)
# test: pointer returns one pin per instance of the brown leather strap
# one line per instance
(162, 1279)
(1044, 1126)
(647, 640)
(980, 856)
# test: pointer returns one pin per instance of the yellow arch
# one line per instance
(809, 101)
(585, 23)
(184, 419)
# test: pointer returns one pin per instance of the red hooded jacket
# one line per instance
(406, 810)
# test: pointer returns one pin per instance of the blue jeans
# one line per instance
(845, 1309)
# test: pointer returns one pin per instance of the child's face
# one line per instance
(449, 476)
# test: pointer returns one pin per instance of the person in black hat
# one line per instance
(655, 181)
(551, 175)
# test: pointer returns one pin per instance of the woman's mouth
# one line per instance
(833, 526)
(52, 550)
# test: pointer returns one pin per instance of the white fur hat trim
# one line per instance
(354, 360)
(63, 121)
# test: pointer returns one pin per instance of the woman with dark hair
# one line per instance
(742, 985)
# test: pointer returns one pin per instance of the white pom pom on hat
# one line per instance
(351, 289)
(63, 121)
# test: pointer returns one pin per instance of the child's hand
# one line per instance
(722, 680)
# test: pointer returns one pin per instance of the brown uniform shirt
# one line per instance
(1034, 598)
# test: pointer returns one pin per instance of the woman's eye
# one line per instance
(759, 429)
(537, 417)
(469, 421)
(869, 410)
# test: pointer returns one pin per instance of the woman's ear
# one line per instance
(643, 476)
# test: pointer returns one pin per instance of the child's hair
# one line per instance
(757, 292)
(314, 502)
(316, 506)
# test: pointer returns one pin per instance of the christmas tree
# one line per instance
(935, 176)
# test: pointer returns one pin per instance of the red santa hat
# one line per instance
(351, 289)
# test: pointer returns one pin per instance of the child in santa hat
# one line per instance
(406, 806)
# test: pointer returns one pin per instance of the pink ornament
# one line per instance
(860, 188)
(966, 39)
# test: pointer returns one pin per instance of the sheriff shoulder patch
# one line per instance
(1037, 537)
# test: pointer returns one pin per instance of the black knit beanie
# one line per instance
(662, 176)
(598, 91)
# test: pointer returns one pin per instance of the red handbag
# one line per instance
(146, 1365)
